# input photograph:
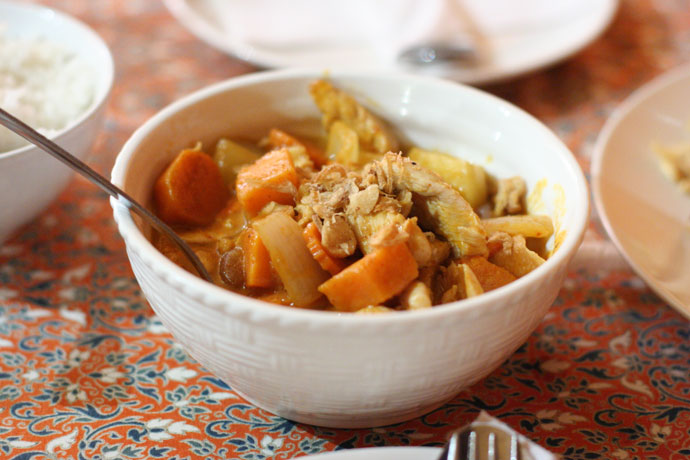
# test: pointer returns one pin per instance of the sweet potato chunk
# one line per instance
(272, 177)
(373, 279)
(278, 138)
(490, 276)
(191, 190)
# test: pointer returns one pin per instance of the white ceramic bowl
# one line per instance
(346, 370)
(29, 178)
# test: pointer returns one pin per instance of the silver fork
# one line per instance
(481, 441)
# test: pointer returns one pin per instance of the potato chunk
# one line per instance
(469, 179)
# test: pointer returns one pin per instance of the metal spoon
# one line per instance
(36, 138)
(438, 53)
(458, 40)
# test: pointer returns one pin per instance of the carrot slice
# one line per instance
(373, 279)
(278, 138)
(490, 276)
(312, 236)
(272, 177)
(257, 262)
(191, 190)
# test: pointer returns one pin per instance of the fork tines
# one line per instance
(482, 442)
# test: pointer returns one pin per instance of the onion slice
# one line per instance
(300, 273)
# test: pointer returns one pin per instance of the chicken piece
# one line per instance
(514, 255)
(388, 235)
(343, 212)
(392, 204)
(326, 193)
(366, 227)
(457, 281)
(337, 236)
(439, 206)
(363, 202)
(378, 173)
(338, 105)
(499, 241)
(424, 246)
(381, 196)
(510, 196)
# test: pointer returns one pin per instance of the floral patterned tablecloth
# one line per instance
(87, 371)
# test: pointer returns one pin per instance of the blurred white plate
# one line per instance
(645, 214)
(516, 47)
(380, 453)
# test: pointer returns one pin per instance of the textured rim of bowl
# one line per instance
(216, 297)
(100, 96)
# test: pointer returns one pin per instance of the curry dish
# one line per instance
(350, 222)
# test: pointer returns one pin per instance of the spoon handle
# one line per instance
(36, 138)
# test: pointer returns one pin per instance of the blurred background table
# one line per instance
(87, 370)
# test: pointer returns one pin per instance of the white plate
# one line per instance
(380, 453)
(569, 27)
(645, 214)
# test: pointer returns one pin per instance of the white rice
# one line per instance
(42, 84)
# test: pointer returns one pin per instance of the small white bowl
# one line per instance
(345, 370)
(30, 179)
